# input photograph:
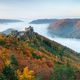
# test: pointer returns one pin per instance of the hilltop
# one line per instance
(26, 55)
(67, 28)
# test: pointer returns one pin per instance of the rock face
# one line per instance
(68, 28)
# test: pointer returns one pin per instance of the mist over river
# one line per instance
(42, 29)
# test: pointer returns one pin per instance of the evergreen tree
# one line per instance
(13, 60)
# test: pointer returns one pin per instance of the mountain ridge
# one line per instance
(36, 52)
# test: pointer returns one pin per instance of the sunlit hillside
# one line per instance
(26, 55)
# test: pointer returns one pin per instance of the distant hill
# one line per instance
(42, 21)
(68, 28)
(8, 31)
(2, 21)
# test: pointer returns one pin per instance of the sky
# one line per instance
(33, 9)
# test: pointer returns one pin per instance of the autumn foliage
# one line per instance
(31, 58)
(25, 75)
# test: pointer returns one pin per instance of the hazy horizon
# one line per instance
(33, 9)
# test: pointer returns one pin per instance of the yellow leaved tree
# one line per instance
(26, 74)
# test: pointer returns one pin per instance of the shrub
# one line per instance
(63, 72)
(2, 43)
(9, 72)
(36, 56)
(13, 60)
(2, 77)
